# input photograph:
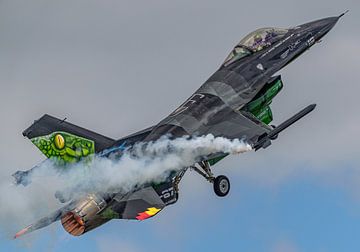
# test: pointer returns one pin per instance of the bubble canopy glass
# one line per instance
(254, 42)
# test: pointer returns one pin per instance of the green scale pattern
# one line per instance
(74, 147)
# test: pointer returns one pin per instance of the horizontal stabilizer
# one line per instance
(55, 216)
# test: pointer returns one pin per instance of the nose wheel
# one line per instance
(220, 183)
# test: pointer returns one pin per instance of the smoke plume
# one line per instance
(144, 162)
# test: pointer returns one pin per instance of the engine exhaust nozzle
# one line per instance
(84, 217)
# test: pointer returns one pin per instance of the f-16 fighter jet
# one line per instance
(233, 103)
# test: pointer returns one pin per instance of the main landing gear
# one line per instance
(221, 183)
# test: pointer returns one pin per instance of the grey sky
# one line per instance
(119, 66)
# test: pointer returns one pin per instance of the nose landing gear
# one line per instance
(220, 183)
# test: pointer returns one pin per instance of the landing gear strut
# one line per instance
(221, 183)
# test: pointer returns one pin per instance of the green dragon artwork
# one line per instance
(64, 147)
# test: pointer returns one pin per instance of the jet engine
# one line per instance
(84, 216)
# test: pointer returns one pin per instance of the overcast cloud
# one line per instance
(116, 67)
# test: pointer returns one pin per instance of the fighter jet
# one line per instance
(233, 103)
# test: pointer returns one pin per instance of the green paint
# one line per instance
(108, 213)
(217, 159)
(264, 115)
(259, 106)
(64, 147)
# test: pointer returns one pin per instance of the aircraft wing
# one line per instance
(207, 114)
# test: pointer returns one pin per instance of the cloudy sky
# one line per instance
(117, 66)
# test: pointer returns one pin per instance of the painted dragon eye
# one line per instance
(59, 141)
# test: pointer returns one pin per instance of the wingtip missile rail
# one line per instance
(265, 140)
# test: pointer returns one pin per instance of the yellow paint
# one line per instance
(152, 211)
(59, 141)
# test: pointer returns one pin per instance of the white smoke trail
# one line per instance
(146, 162)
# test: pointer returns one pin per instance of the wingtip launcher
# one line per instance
(264, 141)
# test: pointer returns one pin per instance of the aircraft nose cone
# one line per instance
(322, 24)
(321, 27)
(327, 24)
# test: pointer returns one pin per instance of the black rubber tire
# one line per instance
(221, 186)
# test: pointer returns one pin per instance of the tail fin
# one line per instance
(65, 141)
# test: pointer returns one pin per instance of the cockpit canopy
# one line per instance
(254, 42)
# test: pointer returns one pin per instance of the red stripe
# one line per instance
(143, 216)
